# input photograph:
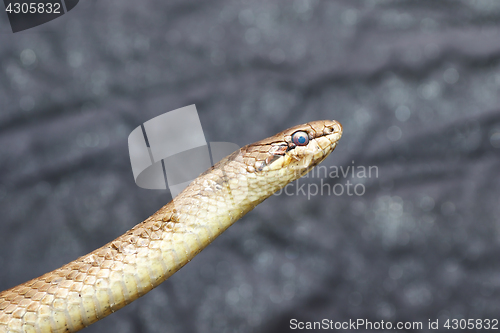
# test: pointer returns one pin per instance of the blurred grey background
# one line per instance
(416, 85)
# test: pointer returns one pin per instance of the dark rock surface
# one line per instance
(416, 85)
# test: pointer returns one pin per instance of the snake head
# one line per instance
(296, 150)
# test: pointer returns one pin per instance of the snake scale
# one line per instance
(103, 281)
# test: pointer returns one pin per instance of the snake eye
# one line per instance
(300, 138)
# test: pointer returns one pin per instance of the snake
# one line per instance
(97, 284)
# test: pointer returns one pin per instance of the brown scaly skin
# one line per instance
(103, 281)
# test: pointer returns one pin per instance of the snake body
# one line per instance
(103, 281)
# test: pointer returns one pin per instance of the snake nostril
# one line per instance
(327, 130)
(338, 127)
